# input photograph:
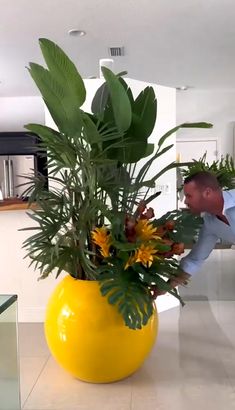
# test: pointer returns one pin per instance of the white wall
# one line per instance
(15, 275)
(215, 106)
(15, 112)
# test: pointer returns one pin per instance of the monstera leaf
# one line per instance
(188, 225)
(122, 289)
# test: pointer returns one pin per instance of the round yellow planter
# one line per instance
(87, 335)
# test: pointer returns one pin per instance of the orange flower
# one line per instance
(102, 238)
(145, 255)
(145, 230)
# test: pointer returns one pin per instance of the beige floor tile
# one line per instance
(57, 390)
(30, 369)
(191, 367)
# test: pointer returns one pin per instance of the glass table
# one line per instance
(9, 361)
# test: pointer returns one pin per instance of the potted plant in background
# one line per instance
(95, 222)
(223, 168)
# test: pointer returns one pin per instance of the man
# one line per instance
(203, 194)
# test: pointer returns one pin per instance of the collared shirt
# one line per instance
(212, 230)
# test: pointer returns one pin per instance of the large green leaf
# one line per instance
(184, 125)
(59, 147)
(63, 111)
(144, 113)
(119, 99)
(100, 100)
(44, 132)
(130, 152)
(127, 88)
(132, 299)
(188, 225)
(90, 130)
(143, 121)
(64, 71)
(110, 176)
(149, 150)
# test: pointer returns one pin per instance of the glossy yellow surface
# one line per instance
(87, 336)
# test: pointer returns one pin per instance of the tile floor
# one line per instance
(192, 366)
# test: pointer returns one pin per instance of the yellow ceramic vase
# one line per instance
(87, 335)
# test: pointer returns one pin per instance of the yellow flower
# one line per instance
(130, 261)
(102, 238)
(145, 230)
(145, 255)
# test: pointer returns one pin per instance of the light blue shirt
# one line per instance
(212, 230)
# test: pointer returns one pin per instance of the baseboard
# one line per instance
(37, 314)
(31, 314)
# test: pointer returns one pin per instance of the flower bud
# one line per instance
(170, 225)
(178, 248)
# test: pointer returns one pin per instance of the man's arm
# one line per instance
(191, 263)
(181, 279)
(200, 251)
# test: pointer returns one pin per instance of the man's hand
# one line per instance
(181, 279)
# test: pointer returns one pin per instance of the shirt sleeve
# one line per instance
(200, 251)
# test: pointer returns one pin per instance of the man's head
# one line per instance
(203, 193)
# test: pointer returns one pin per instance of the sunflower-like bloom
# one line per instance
(102, 238)
(145, 230)
(145, 255)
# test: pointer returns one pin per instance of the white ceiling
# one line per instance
(169, 42)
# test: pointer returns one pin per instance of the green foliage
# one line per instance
(224, 169)
(124, 289)
(93, 183)
(120, 103)
(188, 225)
(64, 72)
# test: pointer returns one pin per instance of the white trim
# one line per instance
(31, 314)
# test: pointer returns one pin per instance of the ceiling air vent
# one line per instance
(116, 51)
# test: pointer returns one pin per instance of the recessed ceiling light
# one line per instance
(183, 87)
(76, 33)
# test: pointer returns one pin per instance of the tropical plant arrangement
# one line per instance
(224, 169)
(94, 222)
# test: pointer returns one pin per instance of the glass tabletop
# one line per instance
(6, 301)
(9, 359)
